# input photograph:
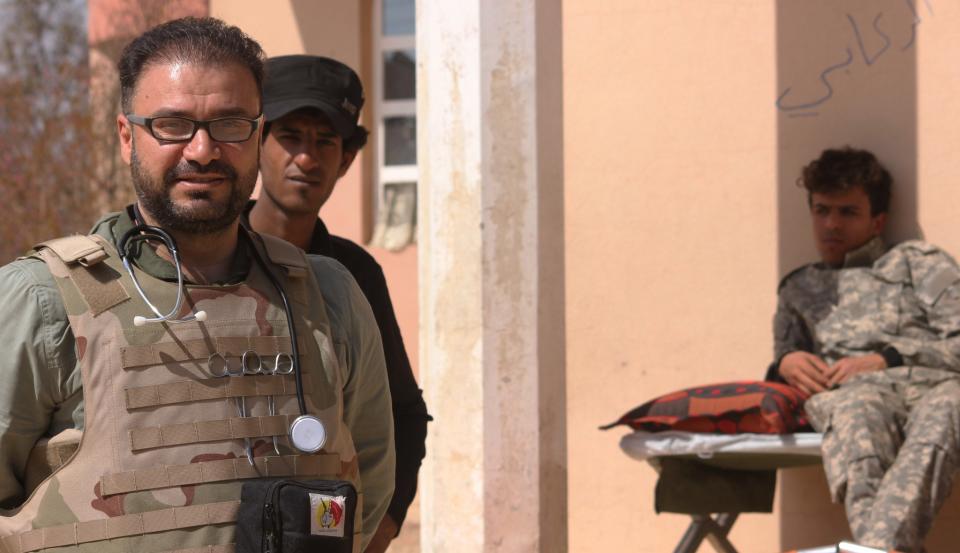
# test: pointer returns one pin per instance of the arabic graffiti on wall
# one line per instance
(795, 105)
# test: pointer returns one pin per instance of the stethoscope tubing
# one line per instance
(146, 232)
(288, 310)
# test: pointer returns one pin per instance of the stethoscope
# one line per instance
(307, 432)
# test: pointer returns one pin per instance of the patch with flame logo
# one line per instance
(326, 514)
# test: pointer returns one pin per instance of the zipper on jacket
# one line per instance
(271, 520)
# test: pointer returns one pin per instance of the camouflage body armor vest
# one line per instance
(162, 457)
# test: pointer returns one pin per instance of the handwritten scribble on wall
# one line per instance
(806, 105)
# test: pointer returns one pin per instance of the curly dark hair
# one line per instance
(201, 40)
(357, 141)
(839, 170)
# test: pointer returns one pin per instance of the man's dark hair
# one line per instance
(839, 170)
(357, 141)
(203, 41)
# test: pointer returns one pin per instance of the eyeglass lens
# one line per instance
(229, 129)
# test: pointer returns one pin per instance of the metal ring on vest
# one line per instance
(248, 368)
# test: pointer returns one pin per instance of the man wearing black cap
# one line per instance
(311, 106)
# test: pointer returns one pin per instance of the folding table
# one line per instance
(715, 477)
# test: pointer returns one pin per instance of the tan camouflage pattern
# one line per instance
(892, 438)
(253, 308)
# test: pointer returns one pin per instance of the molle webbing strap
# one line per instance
(201, 349)
(225, 548)
(210, 431)
(219, 471)
(174, 518)
(184, 391)
(98, 284)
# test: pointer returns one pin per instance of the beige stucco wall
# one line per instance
(670, 152)
(938, 126)
(339, 30)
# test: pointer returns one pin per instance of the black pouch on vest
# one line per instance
(296, 516)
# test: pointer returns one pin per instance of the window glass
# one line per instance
(400, 140)
(400, 198)
(397, 218)
(399, 75)
(398, 17)
(394, 108)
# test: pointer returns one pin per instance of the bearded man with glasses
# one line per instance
(164, 453)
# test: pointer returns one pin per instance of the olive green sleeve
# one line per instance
(37, 379)
(366, 395)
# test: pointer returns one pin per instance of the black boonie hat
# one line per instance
(294, 82)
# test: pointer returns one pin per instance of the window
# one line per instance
(395, 112)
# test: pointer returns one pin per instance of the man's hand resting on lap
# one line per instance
(843, 369)
(805, 370)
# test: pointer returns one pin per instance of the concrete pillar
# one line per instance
(492, 275)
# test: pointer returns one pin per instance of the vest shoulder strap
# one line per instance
(77, 259)
(285, 254)
(86, 250)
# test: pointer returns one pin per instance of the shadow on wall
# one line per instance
(846, 75)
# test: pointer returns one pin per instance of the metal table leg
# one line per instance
(715, 530)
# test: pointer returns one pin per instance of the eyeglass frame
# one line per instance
(147, 123)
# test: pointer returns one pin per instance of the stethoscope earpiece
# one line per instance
(199, 316)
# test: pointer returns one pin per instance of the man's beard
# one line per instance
(211, 218)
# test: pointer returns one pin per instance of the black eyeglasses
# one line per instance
(182, 129)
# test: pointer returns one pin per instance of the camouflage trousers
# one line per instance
(891, 444)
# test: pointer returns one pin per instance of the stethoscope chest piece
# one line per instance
(307, 434)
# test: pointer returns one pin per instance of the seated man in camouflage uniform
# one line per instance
(874, 334)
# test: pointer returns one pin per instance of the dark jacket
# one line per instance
(409, 410)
